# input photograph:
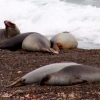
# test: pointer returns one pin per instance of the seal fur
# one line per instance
(63, 41)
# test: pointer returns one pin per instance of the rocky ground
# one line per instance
(14, 64)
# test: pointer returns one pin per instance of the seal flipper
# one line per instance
(49, 50)
(78, 81)
(45, 80)
(19, 82)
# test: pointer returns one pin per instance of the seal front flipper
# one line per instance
(78, 81)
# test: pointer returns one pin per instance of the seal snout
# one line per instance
(9, 24)
(19, 82)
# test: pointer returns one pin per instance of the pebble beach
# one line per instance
(15, 64)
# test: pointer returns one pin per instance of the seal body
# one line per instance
(36, 75)
(63, 40)
(15, 42)
(37, 42)
(73, 74)
(10, 30)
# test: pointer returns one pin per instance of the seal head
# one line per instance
(11, 29)
(63, 41)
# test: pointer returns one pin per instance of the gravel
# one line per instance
(15, 64)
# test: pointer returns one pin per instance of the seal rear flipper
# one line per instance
(50, 50)
(19, 82)
(78, 81)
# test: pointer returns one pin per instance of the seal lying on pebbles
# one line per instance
(37, 42)
(36, 75)
(10, 30)
(15, 42)
(73, 74)
(63, 40)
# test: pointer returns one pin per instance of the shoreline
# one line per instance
(87, 45)
(15, 64)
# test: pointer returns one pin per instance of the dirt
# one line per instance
(15, 64)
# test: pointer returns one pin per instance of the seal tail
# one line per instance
(19, 82)
(50, 50)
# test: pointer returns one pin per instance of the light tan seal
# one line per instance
(37, 42)
(64, 41)
(36, 75)
(10, 30)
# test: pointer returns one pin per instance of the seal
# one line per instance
(36, 75)
(72, 75)
(15, 42)
(37, 42)
(10, 30)
(62, 41)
